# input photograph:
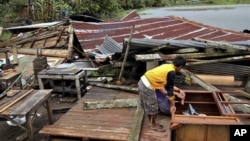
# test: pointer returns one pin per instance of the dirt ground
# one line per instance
(11, 133)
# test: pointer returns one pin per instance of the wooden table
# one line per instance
(26, 103)
(10, 77)
(64, 74)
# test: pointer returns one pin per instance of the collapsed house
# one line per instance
(134, 45)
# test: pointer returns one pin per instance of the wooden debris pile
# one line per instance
(55, 41)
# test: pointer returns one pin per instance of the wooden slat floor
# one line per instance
(103, 124)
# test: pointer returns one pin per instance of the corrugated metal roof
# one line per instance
(109, 46)
(171, 28)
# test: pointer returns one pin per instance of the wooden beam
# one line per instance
(222, 45)
(117, 103)
(70, 43)
(199, 55)
(118, 87)
(235, 58)
(134, 133)
(45, 52)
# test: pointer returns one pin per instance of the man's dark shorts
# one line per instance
(148, 99)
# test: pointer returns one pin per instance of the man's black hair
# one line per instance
(179, 61)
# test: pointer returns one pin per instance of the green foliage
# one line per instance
(17, 5)
(6, 35)
(7, 14)
(149, 3)
(108, 8)
(107, 71)
(105, 9)
(4, 1)
(49, 9)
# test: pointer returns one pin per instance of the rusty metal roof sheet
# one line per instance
(171, 28)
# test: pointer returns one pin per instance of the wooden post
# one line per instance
(70, 43)
(126, 53)
(15, 58)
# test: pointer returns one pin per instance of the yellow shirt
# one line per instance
(158, 76)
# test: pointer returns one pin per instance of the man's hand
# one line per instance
(181, 94)
(172, 110)
(163, 91)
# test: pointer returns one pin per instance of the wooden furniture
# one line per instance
(10, 77)
(25, 104)
(208, 121)
(64, 74)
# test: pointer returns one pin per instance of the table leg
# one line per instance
(40, 83)
(78, 88)
(29, 127)
(49, 110)
(20, 83)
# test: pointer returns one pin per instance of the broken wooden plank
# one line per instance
(11, 93)
(45, 52)
(235, 58)
(117, 103)
(70, 43)
(134, 133)
(222, 45)
(37, 38)
(187, 50)
(31, 34)
(199, 55)
(147, 57)
(119, 87)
